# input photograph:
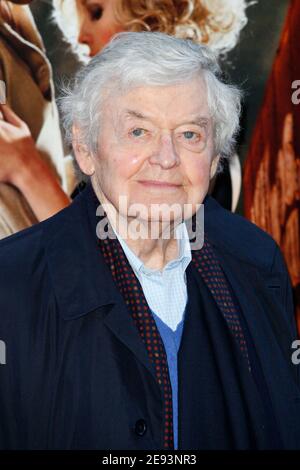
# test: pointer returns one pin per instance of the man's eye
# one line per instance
(138, 132)
(96, 12)
(190, 135)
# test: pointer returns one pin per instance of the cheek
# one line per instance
(131, 161)
(198, 171)
(122, 167)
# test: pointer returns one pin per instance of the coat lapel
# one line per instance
(82, 282)
(273, 344)
(122, 326)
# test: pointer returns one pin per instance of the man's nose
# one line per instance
(165, 153)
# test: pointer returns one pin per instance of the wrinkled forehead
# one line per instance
(171, 102)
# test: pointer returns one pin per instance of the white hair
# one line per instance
(149, 59)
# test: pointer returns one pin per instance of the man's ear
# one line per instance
(82, 153)
(214, 166)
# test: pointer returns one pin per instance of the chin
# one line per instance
(161, 211)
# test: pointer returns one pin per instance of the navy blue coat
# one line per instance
(77, 374)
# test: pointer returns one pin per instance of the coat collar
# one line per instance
(81, 279)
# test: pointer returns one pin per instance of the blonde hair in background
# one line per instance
(216, 23)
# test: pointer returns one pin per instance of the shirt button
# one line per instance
(140, 427)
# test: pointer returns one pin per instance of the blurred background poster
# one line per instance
(272, 168)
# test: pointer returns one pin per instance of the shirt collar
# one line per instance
(183, 259)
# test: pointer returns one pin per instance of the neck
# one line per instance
(154, 251)
(154, 254)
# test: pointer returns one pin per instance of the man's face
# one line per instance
(156, 146)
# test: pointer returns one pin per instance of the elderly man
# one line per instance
(121, 332)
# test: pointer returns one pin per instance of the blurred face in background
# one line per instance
(97, 23)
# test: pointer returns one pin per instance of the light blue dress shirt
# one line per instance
(166, 295)
(165, 291)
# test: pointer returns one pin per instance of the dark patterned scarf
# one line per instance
(208, 266)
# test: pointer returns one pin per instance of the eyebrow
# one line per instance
(196, 120)
(136, 114)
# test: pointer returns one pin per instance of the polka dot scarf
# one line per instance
(207, 264)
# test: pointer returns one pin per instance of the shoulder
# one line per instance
(26, 246)
(252, 252)
(24, 274)
(239, 237)
(20, 249)
(24, 255)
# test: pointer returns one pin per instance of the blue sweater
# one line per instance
(171, 340)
